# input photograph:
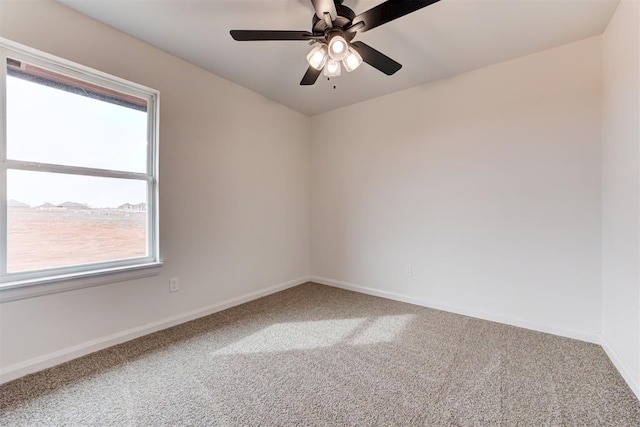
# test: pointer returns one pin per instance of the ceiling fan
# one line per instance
(333, 28)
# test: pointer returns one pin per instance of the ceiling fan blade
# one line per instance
(253, 35)
(310, 77)
(388, 11)
(322, 6)
(376, 59)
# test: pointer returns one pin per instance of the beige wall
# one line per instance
(621, 191)
(234, 190)
(487, 183)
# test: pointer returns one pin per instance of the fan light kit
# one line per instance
(329, 57)
(333, 28)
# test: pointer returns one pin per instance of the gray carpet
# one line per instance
(314, 355)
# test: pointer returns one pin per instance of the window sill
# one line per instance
(14, 291)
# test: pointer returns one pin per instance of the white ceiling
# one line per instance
(444, 39)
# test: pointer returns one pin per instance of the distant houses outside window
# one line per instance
(78, 176)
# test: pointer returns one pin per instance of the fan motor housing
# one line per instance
(343, 20)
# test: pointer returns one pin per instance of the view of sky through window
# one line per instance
(50, 125)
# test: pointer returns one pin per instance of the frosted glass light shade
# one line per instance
(332, 69)
(352, 61)
(317, 57)
(338, 48)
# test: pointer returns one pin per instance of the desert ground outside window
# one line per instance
(78, 176)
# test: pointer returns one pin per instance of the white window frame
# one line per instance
(51, 280)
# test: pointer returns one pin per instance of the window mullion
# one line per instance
(74, 170)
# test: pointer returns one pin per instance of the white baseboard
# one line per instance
(18, 370)
(582, 336)
(634, 383)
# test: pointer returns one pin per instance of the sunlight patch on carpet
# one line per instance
(382, 329)
(318, 334)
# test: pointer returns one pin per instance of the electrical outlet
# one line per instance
(174, 285)
(408, 270)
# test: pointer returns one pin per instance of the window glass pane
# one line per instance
(58, 220)
(52, 118)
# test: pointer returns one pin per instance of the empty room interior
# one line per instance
(262, 213)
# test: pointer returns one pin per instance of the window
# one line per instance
(78, 173)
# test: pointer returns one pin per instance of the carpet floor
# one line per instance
(315, 355)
